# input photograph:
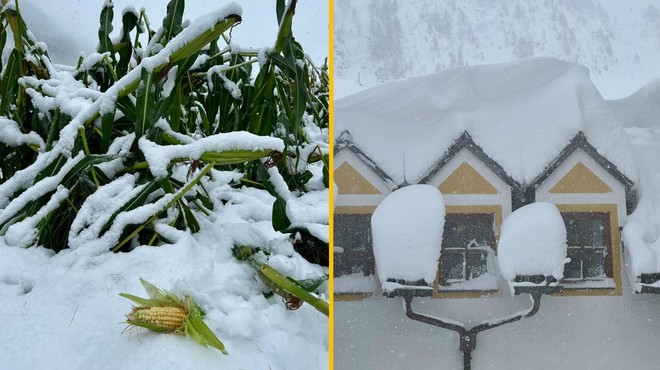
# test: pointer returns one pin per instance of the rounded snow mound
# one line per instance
(407, 231)
(532, 242)
(522, 114)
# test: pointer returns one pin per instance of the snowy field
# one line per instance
(567, 333)
(63, 311)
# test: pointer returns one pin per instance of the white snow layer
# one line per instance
(532, 242)
(159, 157)
(546, 101)
(11, 134)
(407, 231)
(642, 231)
(67, 304)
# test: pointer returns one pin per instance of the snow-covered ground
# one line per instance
(567, 333)
(63, 311)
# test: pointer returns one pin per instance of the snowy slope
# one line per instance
(77, 20)
(377, 41)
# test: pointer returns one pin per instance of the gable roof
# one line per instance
(465, 141)
(345, 142)
(580, 141)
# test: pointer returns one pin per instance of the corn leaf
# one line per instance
(129, 22)
(292, 287)
(205, 333)
(9, 83)
(105, 44)
(172, 21)
(280, 219)
(144, 106)
(139, 300)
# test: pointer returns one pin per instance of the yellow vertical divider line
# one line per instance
(331, 183)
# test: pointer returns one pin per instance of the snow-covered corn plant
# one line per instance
(104, 150)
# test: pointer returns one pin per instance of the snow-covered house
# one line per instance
(491, 138)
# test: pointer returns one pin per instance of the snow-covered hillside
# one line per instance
(381, 40)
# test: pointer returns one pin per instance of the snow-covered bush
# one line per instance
(407, 231)
(133, 135)
(533, 242)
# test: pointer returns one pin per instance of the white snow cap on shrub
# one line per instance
(407, 233)
(532, 242)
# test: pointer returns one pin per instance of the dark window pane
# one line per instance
(359, 263)
(573, 269)
(586, 231)
(340, 268)
(352, 232)
(479, 233)
(573, 232)
(595, 232)
(476, 263)
(594, 264)
(454, 265)
(454, 234)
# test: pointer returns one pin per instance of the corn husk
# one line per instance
(165, 312)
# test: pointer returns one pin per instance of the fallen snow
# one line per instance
(11, 135)
(532, 242)
(67, 305)
(159, 156)
(407, 234)
(546, 101)
(642, 231)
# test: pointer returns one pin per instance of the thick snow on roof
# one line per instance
(407, 234)
(522, 114)
(533, 241)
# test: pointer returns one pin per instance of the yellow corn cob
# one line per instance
(169, 318)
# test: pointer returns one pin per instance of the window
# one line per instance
(352, 233)
(588, 235)
(466, 242)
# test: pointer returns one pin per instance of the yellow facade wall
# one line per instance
(350, 181)
(466, 180)
(580, 179)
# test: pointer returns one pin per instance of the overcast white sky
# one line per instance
(79, 19)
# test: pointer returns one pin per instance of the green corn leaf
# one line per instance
(127, 107)
(139, 300)
(177, 196)
(153, 291)
(190, 219)
(139, 200)
(3, 35)
(129, 22)
(279, 9)
(144, 106)
(285, 27)
(165, 106)
(172, 21)
(174, 110)
(291, 286)
(9, 84)
(280, 219)
(205, 333)
(105, 44)
(312, 285)
(107, 121)
(205, 38)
